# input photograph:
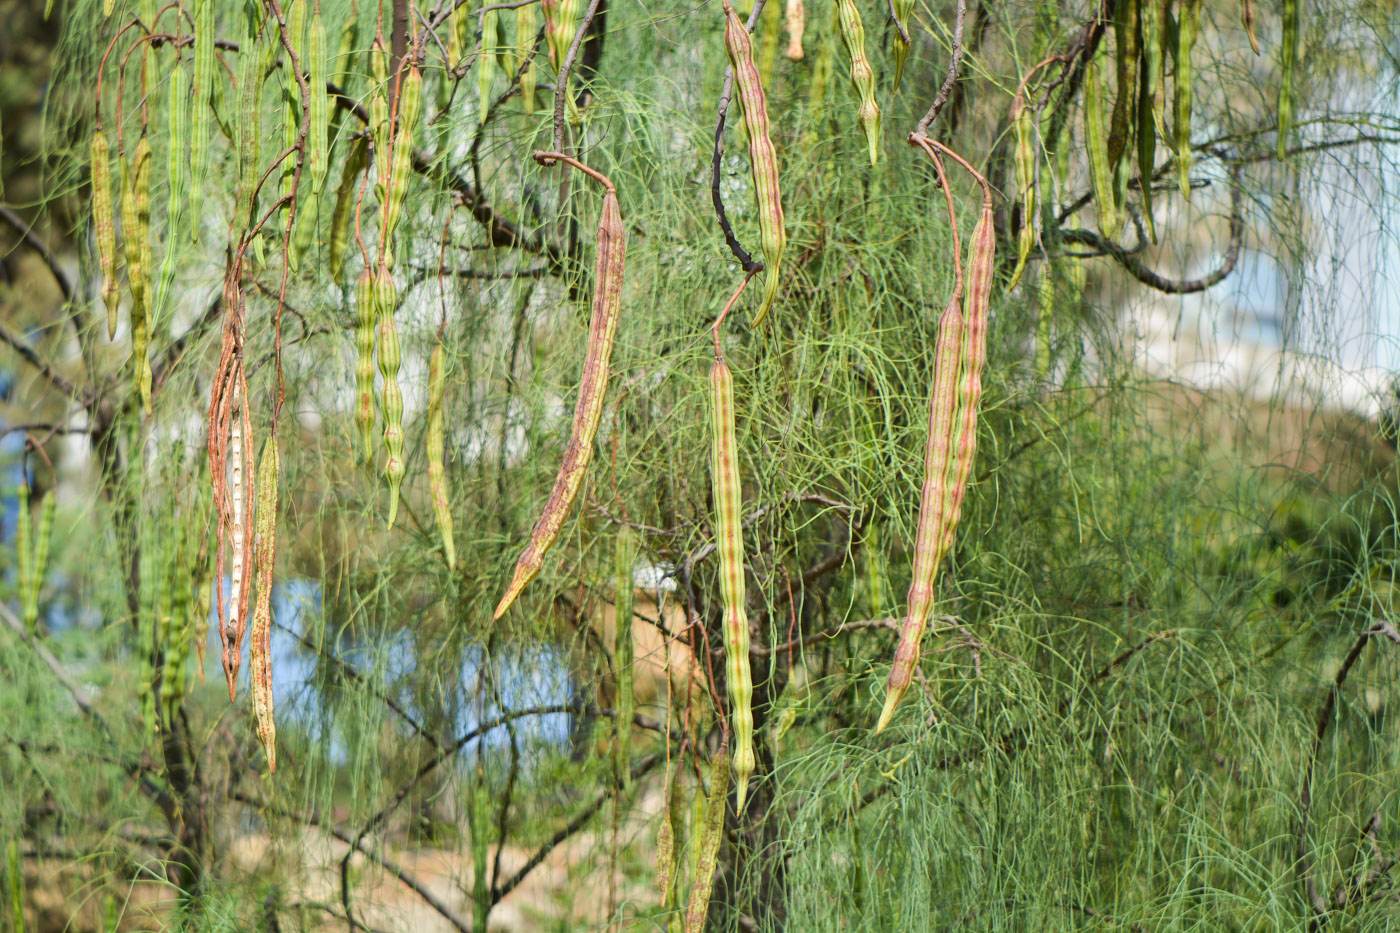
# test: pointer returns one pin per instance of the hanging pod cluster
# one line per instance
(952, 439)
(763, 159)
(593, 383)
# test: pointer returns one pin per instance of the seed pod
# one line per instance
(762, 157)
(1247, 20)
(729, 537)
(561, 22)
(366, 314)
(1186, 28)
(177, 154)
(666, 840)
(240, 461)
(980, 267)
(104, 222)
(1100, 169)
(862, 75)
(136, 233)
(486, 64)
(41, 560)
(928, 554)
(525, 29)
(593, 387)
(246, 143)
(1125, 43)
(265, 554)
(317, 71)
(355, 162)
(623, 657)
(401, 163)
(203, 93)
(1022, 121)
(708, 845)
(1146, 150)
(1287, 66)
(386, 299)
(379, 126)
(437, 479)
(1153, 15)
(24, 541)
(770, 24)
(795, 16)
(903, 13)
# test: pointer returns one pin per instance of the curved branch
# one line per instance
(750, 265)
(1152, 279)
(26, 234)
(954, 69)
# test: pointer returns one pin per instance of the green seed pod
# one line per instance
(265, 554)
(437, 478)
(391, 398)
(246, 143)
(136, 234)
(24, 542)
(30, 598)
(593, 387)
(1153, 15)
(1100, 169)
(177, 153)
(1288, 64)
(317, 71)
(1186, 29)
(104, 223)
(862, 75)
(355, 162)
(711, 830)
(903, 14)
(1146, 149)
(525, 28)
(1023, 123)
(762, 156)
(379, 119)
(486, 64)
(366, 313)
(624, 558)
(729, 537)
(203, 93)
(401, 164)
(561, 23)
(1125, 43)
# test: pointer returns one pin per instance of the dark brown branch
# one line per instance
(32, 357)
(577, 823)
(750, 265)
(26, 234)
(561, 83)
(1152, 279)
(405, 878)
(954, 69)
(1324, 722)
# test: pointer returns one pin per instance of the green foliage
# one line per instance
(1145, 647)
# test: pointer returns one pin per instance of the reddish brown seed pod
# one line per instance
(593, 384)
